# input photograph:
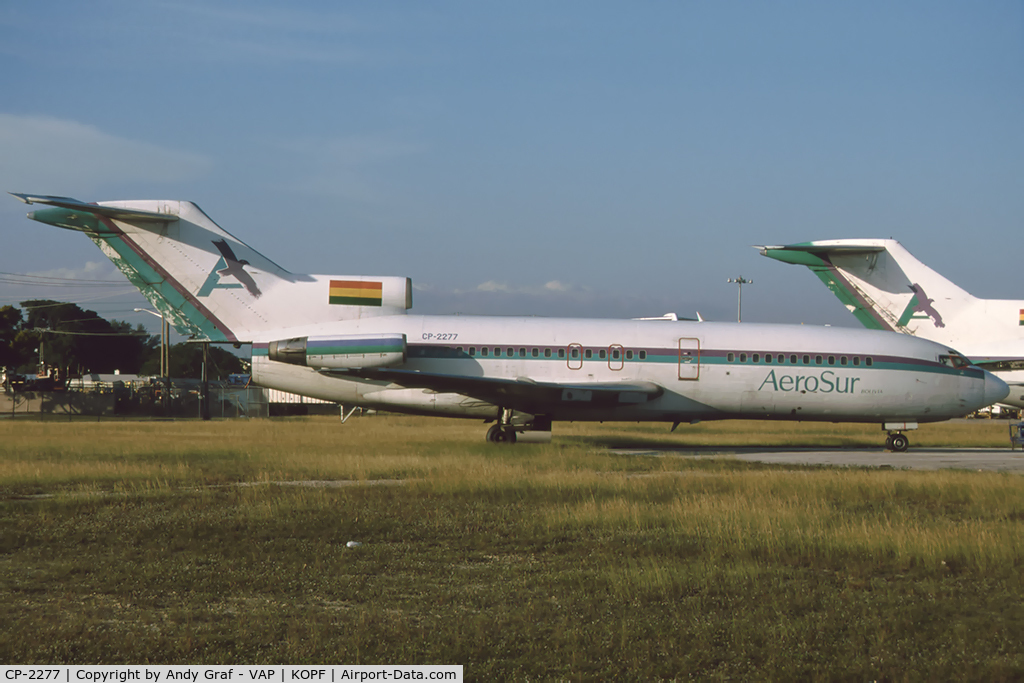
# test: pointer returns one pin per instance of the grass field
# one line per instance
(191, 542)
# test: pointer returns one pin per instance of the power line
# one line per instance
(93, 334)
(81, 300)
(54, 281)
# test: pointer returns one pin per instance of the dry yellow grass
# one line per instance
(132, 541)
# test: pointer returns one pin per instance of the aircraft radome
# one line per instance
(350, 339)
(886, 288)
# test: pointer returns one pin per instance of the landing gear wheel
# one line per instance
(501, 434)
(888, 443)
(898, 442)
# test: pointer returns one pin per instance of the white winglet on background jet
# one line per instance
(349, 339)
(886, 288)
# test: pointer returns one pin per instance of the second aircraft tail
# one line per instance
(881, 283)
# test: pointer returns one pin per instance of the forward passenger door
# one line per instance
(689, 358)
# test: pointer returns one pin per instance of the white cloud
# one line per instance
(44, 154)
(492, 286)
(553, 288)
(91, 270)
(554, 298)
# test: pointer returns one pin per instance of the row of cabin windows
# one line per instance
(795, 359)
(574, 352)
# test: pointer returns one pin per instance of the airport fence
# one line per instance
(154, 399)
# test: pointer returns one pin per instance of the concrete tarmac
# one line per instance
(977, 459)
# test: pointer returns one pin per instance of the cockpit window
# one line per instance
(954, 360)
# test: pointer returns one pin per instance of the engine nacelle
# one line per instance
(341, 351)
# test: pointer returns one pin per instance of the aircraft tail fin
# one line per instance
(208, 284)
(881, 283)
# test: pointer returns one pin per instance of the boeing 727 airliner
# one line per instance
(350, 339)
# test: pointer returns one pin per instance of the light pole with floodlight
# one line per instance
(740, 281)
(165, 354)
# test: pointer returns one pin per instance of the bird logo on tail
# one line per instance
(229, 265)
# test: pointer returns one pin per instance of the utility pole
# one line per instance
(165, 358)
(739, 299)
(204, 398)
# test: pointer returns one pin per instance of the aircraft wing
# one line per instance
(95, 209)
(522, 394)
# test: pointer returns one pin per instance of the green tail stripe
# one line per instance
(355, 301)
(863, 315)
(171, 303)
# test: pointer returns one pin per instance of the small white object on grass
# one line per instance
(353, 544)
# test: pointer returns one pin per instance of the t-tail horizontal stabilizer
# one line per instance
(77, 207)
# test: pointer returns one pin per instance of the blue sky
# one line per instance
(570, 158)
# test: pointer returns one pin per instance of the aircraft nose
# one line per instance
(995, 389)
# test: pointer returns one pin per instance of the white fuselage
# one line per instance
(707, 370)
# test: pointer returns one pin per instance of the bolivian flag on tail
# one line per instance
(1021, 317)
(356, 293)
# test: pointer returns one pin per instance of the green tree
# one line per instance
(10, 323)
(80, 341)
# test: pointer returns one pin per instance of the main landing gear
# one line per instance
(501, 434)
(512, 427)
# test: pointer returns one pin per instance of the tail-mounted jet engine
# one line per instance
(341, 351)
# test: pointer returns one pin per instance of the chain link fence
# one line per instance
(154, 399)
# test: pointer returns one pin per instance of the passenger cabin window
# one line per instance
(561, 353)
(642, 355)
(817, 360)
(629, 354)
(472, 350)
(601, 354)
(535, 353)
(483, 351)
(807, 360)
(756, 358)
(868, 362)
(767, 358)
(842, 360)
(743, 358)
(574, 352)
(547, 353)
(522, 352)
(856, 360)
(588, 354)
(731, 357)
(792, 359)
(831, 360)
(510, 352)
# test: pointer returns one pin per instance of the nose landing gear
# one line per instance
(897, 442)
